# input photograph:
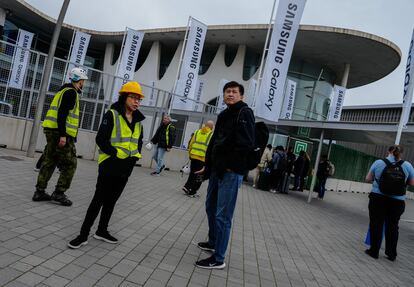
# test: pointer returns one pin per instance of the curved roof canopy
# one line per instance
(370, 57)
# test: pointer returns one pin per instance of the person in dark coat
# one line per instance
(298, 169)
(305, 171)
(119, 140)
(225, 165)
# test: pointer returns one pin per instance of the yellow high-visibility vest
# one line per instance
(201, 141)
(123, 139)
(72, 120)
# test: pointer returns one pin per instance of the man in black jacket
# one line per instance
(119, 140)
(164, 139)
(225, 165)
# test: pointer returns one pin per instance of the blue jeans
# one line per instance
(220, 204)
(158, 157)
(321, 190)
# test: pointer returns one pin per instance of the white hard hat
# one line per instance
(77, 74)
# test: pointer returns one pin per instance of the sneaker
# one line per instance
(36, 169)
(78, 242)
(105, 236)
(61, 198)
(254, 186)
(195, 195)
(273, 190)
(210, 263)
(154, 173)
(162, 168)
(40, 196)
(186, 191)
(205, 246)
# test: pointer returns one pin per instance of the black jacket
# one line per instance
(323, 170)
(113, 165)
(231, 141)
(67, 103)
(160, 139)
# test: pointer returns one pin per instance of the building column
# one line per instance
(345, 75)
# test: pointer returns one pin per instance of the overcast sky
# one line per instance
(392, 20)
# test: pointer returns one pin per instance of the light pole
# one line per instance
(45, 80)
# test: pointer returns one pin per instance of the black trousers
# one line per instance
(194, 181)
(383, 209)
(276, 178)
(108, 191)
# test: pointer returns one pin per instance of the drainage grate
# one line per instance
(10, 158)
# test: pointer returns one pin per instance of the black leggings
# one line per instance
(108, 191)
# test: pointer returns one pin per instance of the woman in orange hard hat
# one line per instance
(119, 140)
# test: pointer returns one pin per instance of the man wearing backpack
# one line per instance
(225, 163)
(279, 168)
(389, 177)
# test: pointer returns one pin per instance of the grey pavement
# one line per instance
(277, 240)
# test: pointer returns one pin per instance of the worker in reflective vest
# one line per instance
(61, 128)
(119, 140)
(197, 151)
(164, 139)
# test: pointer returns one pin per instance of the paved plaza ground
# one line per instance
(277, 240)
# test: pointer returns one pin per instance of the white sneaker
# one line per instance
(254, 186)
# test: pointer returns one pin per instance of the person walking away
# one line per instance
(197, 151)
(226, 158)
(390, 177)
(305, 171)
(291, 157)
(264, 161)
(278, 168)
(61, 128)
(164, 139)
(298, 169)
(119, 140)
(322, 175)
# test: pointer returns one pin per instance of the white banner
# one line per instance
(249, 95)
(220, 100)
(21, 58)
(198, 106)
(270, 97)
(78, 53)
(335, 109)
(128, 60)
(289, 100)
(187, 79)
(408, 84)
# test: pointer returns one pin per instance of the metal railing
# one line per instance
(96, 95)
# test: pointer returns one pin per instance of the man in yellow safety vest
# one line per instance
(197, 151)
(119, 140)
(61, 128)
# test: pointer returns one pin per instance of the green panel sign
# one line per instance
(299, 146)
(303, 131)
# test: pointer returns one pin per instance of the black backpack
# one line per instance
(282, 164)
(392, 180)
(261, 136)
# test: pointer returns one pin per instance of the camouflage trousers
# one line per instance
(64, 158)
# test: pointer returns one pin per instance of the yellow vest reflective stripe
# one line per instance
(201, 141)
(167, 134)
(123, 139)
(72, 120)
